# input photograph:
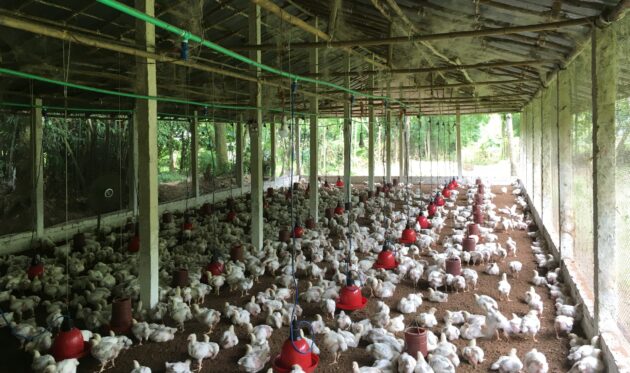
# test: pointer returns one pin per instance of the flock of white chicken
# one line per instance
(95, 274)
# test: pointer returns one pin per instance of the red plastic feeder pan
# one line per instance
(446, 192)
(424, 222)
(408, 236)
(350, 297)
(385, 260)
(295, 351)
(439, 200)
(339, 210)
(36, 269)
(68, 343)
(339, 183)
(432, 209)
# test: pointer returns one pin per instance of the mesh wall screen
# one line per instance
(622, 29)
(582, 154)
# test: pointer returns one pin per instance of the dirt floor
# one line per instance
(154, 355)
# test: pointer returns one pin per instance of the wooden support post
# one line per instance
(37, 174)
(388, 138)
(401, 143)
(565, 169)
(509, 131)
(604, 71)
(272, 137)
(146, 112)
(255, 132)
(523, 146)
(238, 128)
(298, 161)
(314, 137)
(458, 140)
(133, 164)
(546, 190)
(194, 154)
(347, 137)
(537, 154)
(371, 135)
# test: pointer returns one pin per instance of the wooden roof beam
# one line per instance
(269, 6)
(430, 37)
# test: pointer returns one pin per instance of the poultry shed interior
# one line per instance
(401, 186)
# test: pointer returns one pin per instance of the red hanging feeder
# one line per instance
(446, 192)
(478, 217)
(216, 268)
(167, 218)
(339, 210)
(298, 231)
(187, 225)
(431, 209)
(284, 235)
(478, 181)
(408, 236)
(236, 253)
(36, 269)
(68, 343)
(416, 341)
(455, 183)
(134, 244)
(481, 189)
(386, 259)
(423, 221)
(439, 200)
(339, 183)
(326, 185)
(78, 241)
(206, 209)
(295, 351)
(350, 297)
(231, 215)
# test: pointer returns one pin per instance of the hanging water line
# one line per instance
(186, 35)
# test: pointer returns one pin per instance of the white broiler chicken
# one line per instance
(178, 367)
(530, 324)
(229, 338)
(201, 350)
(562, 324)
(254, 359)
(535, 362)
(40, 362)
(137, 368)
(427, 319)
(508, 363)
(335, 343)
(486, 302)
(473, 353)
(515, 268)
(441, 364)
(504, 287)
(206, 316)
(437, 296)
(141, 330)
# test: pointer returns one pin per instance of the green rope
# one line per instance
(24, 75)
(186, 35)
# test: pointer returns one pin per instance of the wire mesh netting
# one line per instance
(83, 158)
(622, 106)
(537, 152)
(550, 165)
(582, 151)
(15, 178)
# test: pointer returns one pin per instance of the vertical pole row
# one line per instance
(37, 174)
(255, 132)
(347, 136)
(565, 168)
(194, 153)
(314, 133)
(146, 116)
